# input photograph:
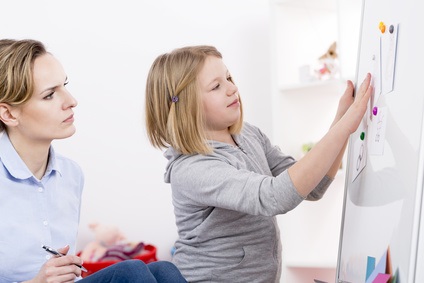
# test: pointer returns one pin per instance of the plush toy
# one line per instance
(328, 64)
(109, 244)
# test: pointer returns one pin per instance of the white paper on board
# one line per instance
(359, 158)
(376, 132)
(376, 72)
(388, 49)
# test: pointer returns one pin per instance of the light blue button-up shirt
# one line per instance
(35, 212)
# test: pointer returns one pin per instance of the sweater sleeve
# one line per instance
(208, 181)
(277, 161)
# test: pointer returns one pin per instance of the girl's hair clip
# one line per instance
(174, 99)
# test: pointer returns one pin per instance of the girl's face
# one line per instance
(221, 107)
(48, 114)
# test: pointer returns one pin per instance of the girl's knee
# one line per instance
(165, 271)
(132, 265)
(161, 265)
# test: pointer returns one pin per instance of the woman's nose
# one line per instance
(70, 101)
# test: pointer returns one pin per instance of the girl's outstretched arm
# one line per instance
(325, 157)
(345, 102)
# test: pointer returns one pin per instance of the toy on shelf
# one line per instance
(328, 64)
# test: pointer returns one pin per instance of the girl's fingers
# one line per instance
(366, 83)
(370, 90)
(349, 88)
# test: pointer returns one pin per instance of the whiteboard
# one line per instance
(384, 178)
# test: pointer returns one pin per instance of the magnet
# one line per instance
(375, 111)
(362, 136)
(382, 27)
(391, 29)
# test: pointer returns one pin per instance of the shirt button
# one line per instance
(45, 223)
(40, 189)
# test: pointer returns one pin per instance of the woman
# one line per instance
(40, 190)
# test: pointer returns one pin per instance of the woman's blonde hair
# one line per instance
(16, 65)
(173, 107)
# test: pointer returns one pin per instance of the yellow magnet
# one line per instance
(382, 27)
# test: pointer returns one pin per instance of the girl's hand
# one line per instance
(354, 112)
(325, 157)
(59, 269)
(345, 101)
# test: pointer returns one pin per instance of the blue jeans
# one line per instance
(136, 271)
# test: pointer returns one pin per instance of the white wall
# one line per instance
(106, 48)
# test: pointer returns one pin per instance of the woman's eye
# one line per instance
(216, 87)
(49, 96)
(67, 82)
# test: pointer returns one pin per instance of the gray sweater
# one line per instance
(225, 205)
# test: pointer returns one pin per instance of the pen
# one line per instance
(56, 253)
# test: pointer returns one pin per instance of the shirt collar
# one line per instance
(15, 165)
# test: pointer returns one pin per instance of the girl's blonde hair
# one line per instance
(173, 107)
(16, 65)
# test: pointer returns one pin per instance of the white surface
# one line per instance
(383, 204)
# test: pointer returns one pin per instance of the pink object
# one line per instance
(375, 110)
(381, 278)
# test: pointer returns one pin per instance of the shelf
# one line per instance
(302, 35)
(312, 85)
(324, 5)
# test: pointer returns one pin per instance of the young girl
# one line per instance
(228, 181)
(40, 190)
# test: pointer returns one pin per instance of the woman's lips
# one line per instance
(69, 119)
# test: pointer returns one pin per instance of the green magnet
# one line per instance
(362, 136)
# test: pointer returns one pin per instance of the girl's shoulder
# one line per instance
(251, 129)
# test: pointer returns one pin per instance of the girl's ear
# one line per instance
(6, 115)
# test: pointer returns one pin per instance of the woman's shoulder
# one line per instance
(66, 163)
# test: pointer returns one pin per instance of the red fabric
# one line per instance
(149, 255)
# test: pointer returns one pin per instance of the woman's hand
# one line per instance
(59, 269)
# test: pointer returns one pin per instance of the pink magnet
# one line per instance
(375, 110)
